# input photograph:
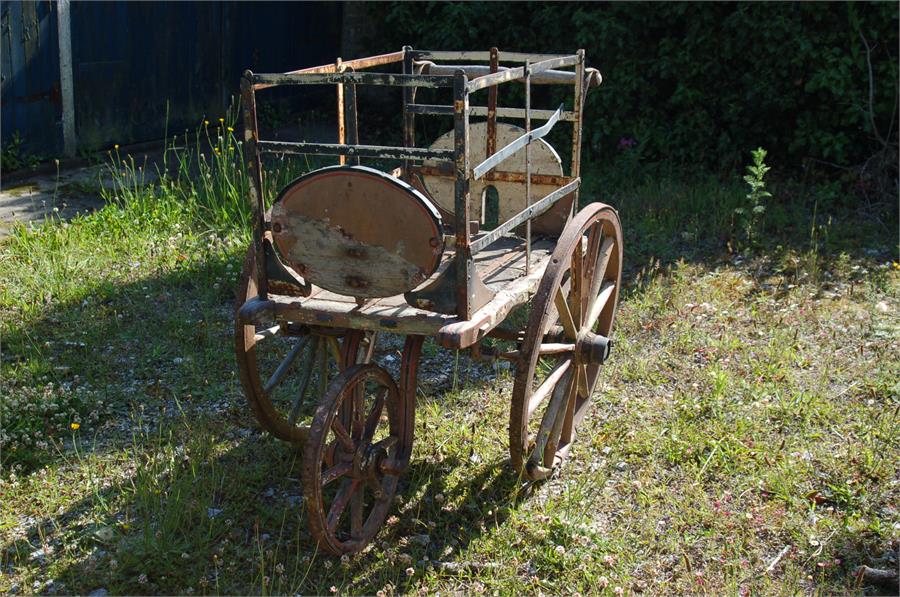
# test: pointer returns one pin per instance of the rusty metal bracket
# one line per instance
(282, 280)
(440, 295)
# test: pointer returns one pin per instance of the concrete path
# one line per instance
(64, 194)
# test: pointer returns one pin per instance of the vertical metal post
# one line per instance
(492, 107)
(576, 125)
(409, 122)
(528, 165)
(351, 118)
(464, 266)
(254, 169)
(66, 84)
(342, 132)
(491, 143)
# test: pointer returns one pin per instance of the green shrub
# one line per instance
(698, 83)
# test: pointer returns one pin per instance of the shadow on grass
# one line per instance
(199, 500)
(204, 503)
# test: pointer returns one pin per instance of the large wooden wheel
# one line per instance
(566, 341)
(285, 367)
(352, 461)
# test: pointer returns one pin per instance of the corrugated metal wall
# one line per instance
(140, 68)
(29, 67)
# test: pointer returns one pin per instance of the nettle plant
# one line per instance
(748, 216)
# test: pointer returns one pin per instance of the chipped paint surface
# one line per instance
(326, 255)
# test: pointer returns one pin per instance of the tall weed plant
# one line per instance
(749, 215)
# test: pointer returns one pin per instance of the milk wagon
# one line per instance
(347, 252)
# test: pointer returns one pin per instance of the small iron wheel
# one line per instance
(284, 367)
(566, 341)
(353, 458)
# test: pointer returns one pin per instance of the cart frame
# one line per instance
(572, 279)
(460, 291)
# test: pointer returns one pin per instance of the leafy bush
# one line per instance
(698, 84)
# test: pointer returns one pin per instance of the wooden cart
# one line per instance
(348, 251)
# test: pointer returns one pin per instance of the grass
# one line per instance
(742, 440)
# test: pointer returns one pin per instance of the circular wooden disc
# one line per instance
(357, 231)
(544, 160)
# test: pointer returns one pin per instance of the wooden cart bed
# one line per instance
(501, 267)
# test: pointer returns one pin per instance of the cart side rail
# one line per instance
(464, 80)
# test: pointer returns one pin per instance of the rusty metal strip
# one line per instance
(477, 71)
(351, 118)
(482, 56)
(409, 119)
(491, 141)
(519, 113)
(515, 146)
(342, 131)
(526, 214)
(359, 63)
(357, 78)
(440, 110)
(366, 151)
(497, 176)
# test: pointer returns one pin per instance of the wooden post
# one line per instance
(464, 266)
(342, 133)
(576, 125)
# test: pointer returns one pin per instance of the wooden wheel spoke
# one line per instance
(339, 504)
(335, 348)
(599, 304)
(576, 298)
(307, 374)
(559, 423)
(323, 367)
(602, 262)
(285, 364)
(356, 512)
(375, 487)
(341, 432)
(335, 472)
(553, 413)
(370, 349)
(565, 315)
(547, 386)
(582, 379)
(375, 414)
(387, 443)
(356, 415)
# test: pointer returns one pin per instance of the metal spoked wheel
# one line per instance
(566, 341)
(285, 367)
(353, 458)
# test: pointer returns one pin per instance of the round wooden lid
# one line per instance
(357, 231)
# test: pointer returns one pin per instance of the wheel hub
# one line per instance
(592, 348)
